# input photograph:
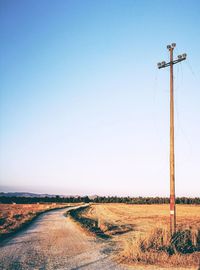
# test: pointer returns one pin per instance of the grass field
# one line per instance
(139, 230)
(13, 216)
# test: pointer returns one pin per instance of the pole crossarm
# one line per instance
(173, 63)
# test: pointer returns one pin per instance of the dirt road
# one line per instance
(55, 242)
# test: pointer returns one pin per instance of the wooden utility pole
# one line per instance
(172, 160)
(172, 172)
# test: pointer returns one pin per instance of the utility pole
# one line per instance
(172, 166)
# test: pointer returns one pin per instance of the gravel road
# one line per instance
(55, 242)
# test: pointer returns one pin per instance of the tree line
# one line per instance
(98, 199)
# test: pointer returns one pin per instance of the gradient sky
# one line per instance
(84, 109)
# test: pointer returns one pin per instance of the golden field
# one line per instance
(13, 216)
(144, 217)
(133, 226)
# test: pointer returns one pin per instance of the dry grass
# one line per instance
(144, 217)
(158, 248)
(149, 241)
(13, 216)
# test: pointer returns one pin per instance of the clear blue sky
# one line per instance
(84, 109)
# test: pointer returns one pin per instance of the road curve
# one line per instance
(55, 242)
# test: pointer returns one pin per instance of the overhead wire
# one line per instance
(157, 129)
(178, 83)
(191, 69)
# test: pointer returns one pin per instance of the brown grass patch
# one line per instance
(13, 216)
(183, 249)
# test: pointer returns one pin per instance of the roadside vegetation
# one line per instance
(142, 235)
(15, 216)
(101, 229)
(88, 223)
(158, 247)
